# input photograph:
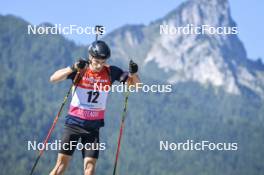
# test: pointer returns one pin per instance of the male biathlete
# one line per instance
(87, 107)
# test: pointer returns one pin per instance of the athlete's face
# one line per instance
(97, 64)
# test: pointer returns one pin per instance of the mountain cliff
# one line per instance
(207, 58)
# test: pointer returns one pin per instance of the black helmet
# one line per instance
(99, 49)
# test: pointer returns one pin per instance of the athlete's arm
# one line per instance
(61, 74)
(64, 73)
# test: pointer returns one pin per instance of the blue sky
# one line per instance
(113, 14)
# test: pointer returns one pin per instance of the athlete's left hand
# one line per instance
(133, 67)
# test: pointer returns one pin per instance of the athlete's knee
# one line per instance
(59, 168)
(89, 166)
(61, 165)
(89, 169)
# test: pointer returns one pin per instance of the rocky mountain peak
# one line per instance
(177, 53)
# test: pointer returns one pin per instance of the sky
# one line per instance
(113, 14)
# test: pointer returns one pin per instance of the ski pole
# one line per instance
(98, 31)
(75, 82)
(121, 131)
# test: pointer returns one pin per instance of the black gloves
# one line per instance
(133, 67)
(80, 64)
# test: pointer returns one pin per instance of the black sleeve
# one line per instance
(72, 75)
(117, 74)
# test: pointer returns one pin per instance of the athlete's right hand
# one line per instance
(80, 64)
